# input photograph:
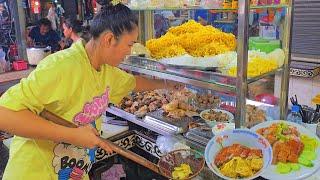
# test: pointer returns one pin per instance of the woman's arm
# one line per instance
(27, 124)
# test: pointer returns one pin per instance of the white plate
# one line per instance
(224, 127)
(239, 136)
(188, 60)
(304, 172)
(220, 127)
(212, 123)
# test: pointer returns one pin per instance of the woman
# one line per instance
(52, 16)
(72, 31)
(76, 84)
(4, 14)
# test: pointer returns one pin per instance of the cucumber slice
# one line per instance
(295, 167)
(310, 155)
(283, 168)
(305, 162)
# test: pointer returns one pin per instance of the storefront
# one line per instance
(233, 59)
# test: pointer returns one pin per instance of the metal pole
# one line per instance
(149, 24)
(18, 15)
(286, 66)
(146, 25)
(141, 27)
(242, 61)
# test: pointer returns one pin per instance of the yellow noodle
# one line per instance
(192, 38)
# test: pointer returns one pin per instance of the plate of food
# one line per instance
(238, 154)
(181, 164)
(212, 116)
(296, 151)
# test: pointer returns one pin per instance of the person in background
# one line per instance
(60, 13)
(53, 16)
(43, 35)
(59, 10)
(4, 14)
(72, 31)
(161, 25)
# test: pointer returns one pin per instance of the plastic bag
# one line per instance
(168, 143)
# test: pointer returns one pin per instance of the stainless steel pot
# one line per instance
(36, 54)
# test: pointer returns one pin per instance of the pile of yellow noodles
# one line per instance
(239, 167)
(191, 38)
(257, 66)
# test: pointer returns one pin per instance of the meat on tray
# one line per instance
(141, 103)
(176, 105)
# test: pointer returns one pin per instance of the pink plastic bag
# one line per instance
(114, 173)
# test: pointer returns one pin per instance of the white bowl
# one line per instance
(220, 127)
(238, 136)
(212, 123)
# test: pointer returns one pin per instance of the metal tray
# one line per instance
(132, 118)
(144, 62)
(157, 118)
(202, 133)
(201, 68)
(197, 138)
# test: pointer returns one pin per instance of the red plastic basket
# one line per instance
(20, 65)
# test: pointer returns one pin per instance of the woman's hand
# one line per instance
(39, 128)
(30, 42)
(88, 137)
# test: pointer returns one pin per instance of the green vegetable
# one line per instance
(282, 127)
(282, 137)
(305, 162)
(309, 155)
(295, 167)
(283, 168)
(310, 144)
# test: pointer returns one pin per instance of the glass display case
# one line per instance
(274, 29)
(245, 88)
(238, 80)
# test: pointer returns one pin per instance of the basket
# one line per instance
(173, 159)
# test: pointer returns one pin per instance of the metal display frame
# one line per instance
(146, 32)
(241, 87)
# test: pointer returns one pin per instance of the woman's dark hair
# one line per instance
(54, 4)
(44, 22)
(115, 18)
(75, 24)
(102, 2)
